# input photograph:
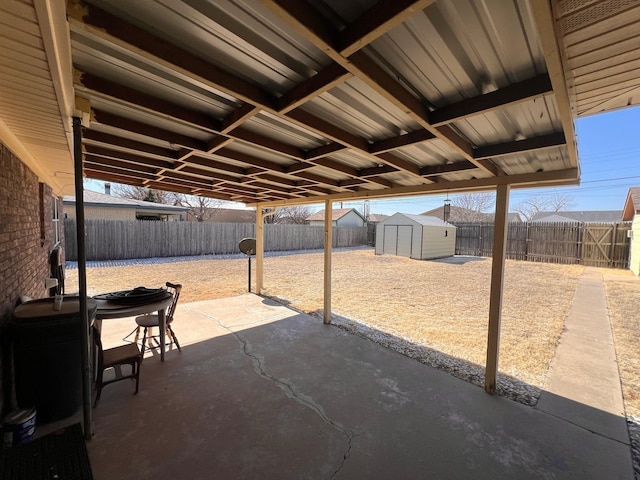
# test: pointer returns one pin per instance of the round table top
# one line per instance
(108, 310)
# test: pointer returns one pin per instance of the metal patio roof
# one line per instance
(285, 101)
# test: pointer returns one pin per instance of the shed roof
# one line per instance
(419, 219)
(285, 102)
(631, 204)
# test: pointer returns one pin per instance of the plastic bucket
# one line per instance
(19, 427)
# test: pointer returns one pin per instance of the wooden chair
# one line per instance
(115, 358)
(151, 320)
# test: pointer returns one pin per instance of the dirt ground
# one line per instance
(442, 305)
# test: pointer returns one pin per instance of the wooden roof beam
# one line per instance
(142, 160)
(146, 130)
(99, 174)
(323, 151)
(123, 94)
(216, 165)
(119, 165)
(375, 22)
(393, 143)
(267, 143)
(436, 170)
(515, 93)
(314, 86)
(90, 135)
(374, 171)
(238, 117)
(519, 146)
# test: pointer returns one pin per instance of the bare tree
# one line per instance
(203, 209)
(538, 203)
(142, 193)
(473, 207)
(297, 214)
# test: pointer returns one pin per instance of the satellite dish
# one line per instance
(248, 246)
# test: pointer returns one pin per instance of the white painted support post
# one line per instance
(497, 281)
(259, 250)
(328, 244)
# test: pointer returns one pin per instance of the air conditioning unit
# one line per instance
(629, 233)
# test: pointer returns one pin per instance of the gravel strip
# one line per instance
(634, 432)
(160, 260)
(507, 386)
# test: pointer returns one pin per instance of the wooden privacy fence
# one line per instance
(590, 244)
(119, 239)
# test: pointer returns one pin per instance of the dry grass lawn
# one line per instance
(623, 298)
(438, 305)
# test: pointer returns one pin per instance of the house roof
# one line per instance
(377, 217)
(285, 102)
(586, 216)
(336, 214)
(631, 204)
(459, 214)
(420, 219)
(96, 199)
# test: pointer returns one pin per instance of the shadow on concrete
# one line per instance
(262, 391)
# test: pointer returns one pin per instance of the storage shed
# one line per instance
(415, 236)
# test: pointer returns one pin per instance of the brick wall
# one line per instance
(26, 238)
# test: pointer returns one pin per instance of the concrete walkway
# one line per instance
(583, 383)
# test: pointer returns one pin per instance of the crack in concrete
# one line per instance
(291, 392)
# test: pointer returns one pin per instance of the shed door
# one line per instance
(390, 244)
(405, 233)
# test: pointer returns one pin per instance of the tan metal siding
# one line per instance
(634, 261)
(436, 244)
(101, 213)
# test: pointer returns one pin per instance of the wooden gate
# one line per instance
(605, 245)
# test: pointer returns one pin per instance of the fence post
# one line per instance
(613, 244)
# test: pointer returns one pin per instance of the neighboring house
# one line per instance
(415, 236)
(587, 216)
(465, 215)
(107, 207)
(514, 217)
(341, 217)
(631, 213)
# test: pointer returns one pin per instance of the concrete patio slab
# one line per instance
(262, 391)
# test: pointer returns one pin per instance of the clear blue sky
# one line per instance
(609, 152)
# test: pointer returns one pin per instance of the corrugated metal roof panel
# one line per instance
(453, 50)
